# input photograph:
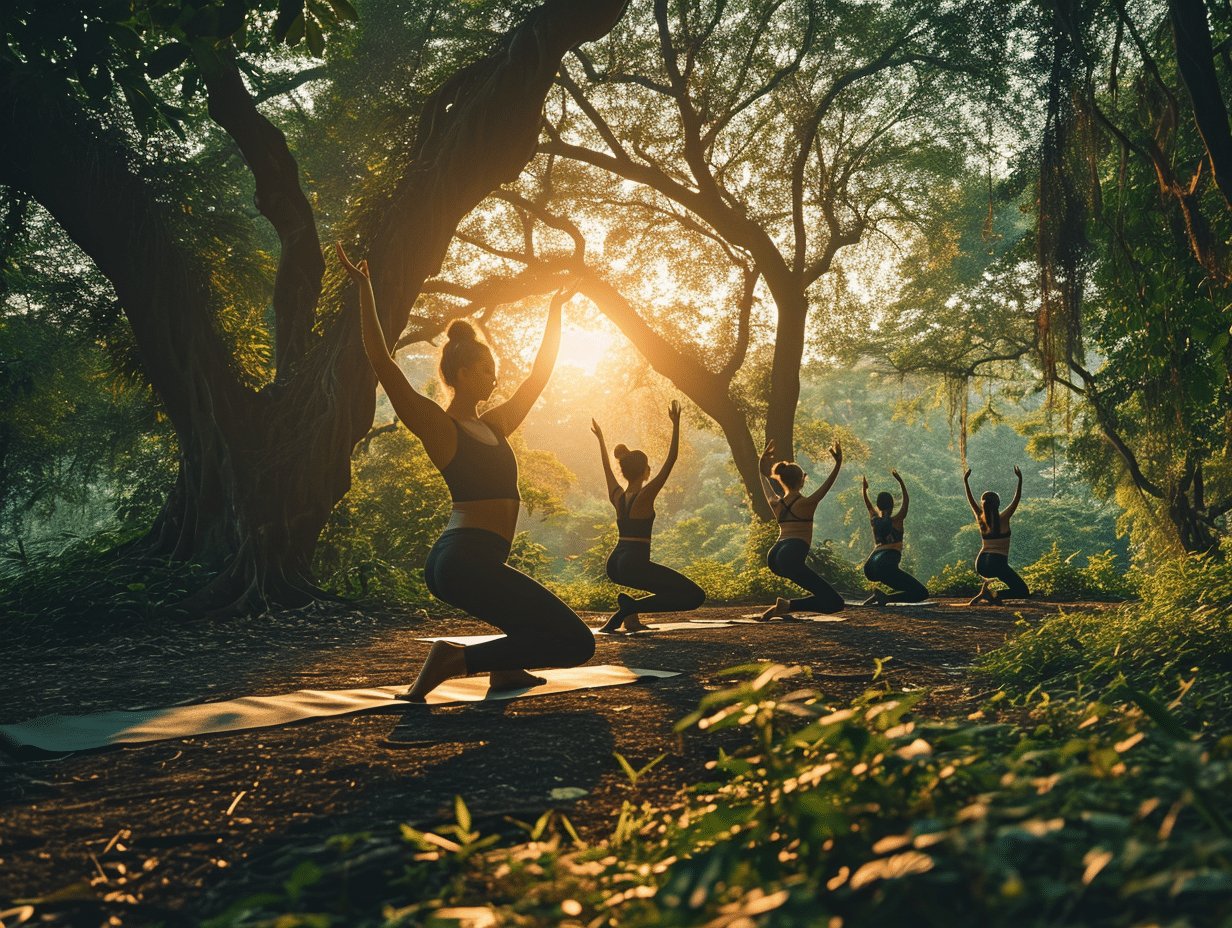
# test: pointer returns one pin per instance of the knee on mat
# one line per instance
(576, 649)
(697, 596)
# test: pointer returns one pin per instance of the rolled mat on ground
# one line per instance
(62, 734)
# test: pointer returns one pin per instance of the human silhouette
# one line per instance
(993, 562)
(466, 566)
(882, 565)
(629, 563)
(782, 485)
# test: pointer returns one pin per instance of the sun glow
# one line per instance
(584, 348)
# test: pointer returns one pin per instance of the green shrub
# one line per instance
(1051, 576)
(585, 595)
(1055, 576)
(1103, 580)
(93, 586)
(530, 557)
(1180, 631)
(839, 572)
(955, 580)
(863, 815)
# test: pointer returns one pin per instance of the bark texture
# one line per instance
(261, 470)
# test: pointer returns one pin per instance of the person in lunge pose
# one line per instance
(993, 562)
(882, 564)
(794, 513)
(629, 563)
(466, 567)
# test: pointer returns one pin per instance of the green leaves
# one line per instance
(635, 775)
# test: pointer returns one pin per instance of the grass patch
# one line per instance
(861, 815)
(92, 587)
(1100, 800)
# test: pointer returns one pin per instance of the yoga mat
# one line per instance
(60, 733)
(860, 602)
(660, 626)
(755, 618)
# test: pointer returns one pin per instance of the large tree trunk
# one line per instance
(260, 471)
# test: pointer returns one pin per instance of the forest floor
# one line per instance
(152, 833)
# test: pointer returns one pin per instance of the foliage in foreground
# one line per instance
(1098, 814)
(1180, 631)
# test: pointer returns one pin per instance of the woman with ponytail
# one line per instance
(882, 565)
(993, 562)
(629, 563)
(794, 513)
(466, 567)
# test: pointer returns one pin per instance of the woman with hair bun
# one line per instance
(993, 562)
(466, 567)
(882, 564)
(794, 513)
(629, 563)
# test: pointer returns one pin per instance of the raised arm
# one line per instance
(612, 484)
(902, 510)
(509, 414)
(872, 511)
(656, 482)
(768, 486)
(836, 452)
(971, 499)
(1009, 511)
(418, 413)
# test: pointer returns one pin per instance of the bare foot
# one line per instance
(781, 607)
(983, 596)
(513, 680)
(445, 660)
(877, 599)
(633, 623)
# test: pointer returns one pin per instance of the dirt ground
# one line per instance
(154, 833)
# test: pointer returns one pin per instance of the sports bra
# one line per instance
(786, 511)
(884, 532)
(627, 526)
(481, 471)
(995, 542)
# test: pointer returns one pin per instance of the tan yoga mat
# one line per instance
(61, 733)
(926, 603)
(654, 626)
(755, 617)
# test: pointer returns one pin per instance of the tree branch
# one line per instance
(1110, 433)
(1191, 35)
(745, 314)
(281, 200)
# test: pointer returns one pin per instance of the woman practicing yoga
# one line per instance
(794, 513)
(993, 562)
(466, 567)
(882, 564)
(629, 563)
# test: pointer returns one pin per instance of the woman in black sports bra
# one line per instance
(466, 567)
(882, 564)
(794, 513)
(993, 562)
(629, 563)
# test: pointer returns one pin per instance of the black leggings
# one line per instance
(786, 559)
(882, 567)
(629, 564)
(997, 567)
(466, 568)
